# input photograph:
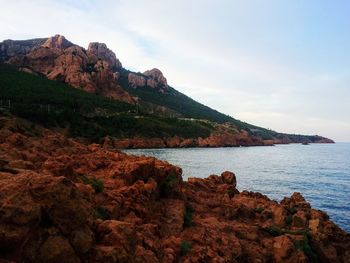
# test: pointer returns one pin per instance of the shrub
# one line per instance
(230, 192)
(288, 220)
(185, 247)
(259, 209)
(273, 231)
(101, 213)
(95, 183)
(304, 245)
(188, 215)
(292, 210)
(168, 185)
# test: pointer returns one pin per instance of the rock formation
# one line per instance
(59, 59)
(71, 202)
(136, 80)
(11, 48)
(152, 78)
(101, 51)
(57, 41)
(155, 78)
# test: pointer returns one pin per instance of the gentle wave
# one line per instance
(321, 172)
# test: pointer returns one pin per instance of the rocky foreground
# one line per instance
(63, 201)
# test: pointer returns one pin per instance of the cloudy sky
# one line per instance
(280, 64)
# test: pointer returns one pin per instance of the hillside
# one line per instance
(104, 99)
(56, 104)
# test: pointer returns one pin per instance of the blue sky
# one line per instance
(283, 65)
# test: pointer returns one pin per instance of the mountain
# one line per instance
(133, 109)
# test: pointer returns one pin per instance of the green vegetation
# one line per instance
(274, 231)
(167, 186)
(190, 108)
(289, 219)
(101, 213)
(258, 210)
(55, 104)
(185, 247)
(95, 183)
(292, 210)
(304, 245)
(230, 192)
(188, 215)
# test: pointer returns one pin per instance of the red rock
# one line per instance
(57, 249)
(156, 79)
(57, 41)
(91, 70)
(229, 178)
(50, 211)
(101, 51)
(282, 248)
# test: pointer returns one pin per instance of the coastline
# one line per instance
(66, 201)
(176, 142)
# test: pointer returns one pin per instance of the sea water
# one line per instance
(320, 172)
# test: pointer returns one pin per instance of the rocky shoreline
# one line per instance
(213, 141)
(64, 201)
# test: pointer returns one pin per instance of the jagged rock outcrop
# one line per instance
(155, 78)
(10, 48)
(152, 78)
(71, 202)
(57, 41)
(101, 51)
(136, 80)
(92, 70)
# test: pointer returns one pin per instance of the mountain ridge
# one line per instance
(97, 70)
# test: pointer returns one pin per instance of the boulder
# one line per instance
(229, 178)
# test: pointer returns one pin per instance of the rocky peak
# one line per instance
(57, 41)
(10, 48)
(157, 76)
(101, 51)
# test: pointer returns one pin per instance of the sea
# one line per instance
(320, 172)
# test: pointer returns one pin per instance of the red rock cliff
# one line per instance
(90, 70)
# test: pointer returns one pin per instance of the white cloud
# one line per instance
(248, 60)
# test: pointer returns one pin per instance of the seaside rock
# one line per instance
(56, 249)
(282, 248)
(229, 178)
(33, 203)
(299, 219)
(89, 203)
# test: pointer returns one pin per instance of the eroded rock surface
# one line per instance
(101, 51)
(153, 78)
(92, 70)
(65, 201)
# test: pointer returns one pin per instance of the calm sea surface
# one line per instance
(321, 172)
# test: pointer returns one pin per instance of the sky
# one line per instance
(279, 64)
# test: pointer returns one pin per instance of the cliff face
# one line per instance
(10, 48)
(153, 78)
(59, 59)
(64, 201)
